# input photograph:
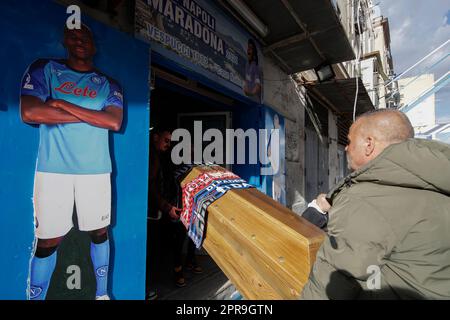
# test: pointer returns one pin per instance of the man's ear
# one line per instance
(370, 146)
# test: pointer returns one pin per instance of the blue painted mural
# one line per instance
(33, 29)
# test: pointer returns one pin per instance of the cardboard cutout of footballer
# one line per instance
(75, 106)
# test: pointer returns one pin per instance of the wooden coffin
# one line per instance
(265, 249)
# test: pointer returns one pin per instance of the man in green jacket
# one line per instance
(389, 223)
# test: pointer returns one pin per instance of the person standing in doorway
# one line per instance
(164, 197)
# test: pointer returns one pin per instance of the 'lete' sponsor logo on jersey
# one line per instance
(71, 88)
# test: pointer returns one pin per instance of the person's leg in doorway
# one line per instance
(191, 260)
(178, 235)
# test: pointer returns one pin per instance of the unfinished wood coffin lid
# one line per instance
(265, 249)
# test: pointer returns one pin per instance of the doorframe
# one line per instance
(228, 122)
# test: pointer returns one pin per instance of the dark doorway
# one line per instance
(172, 107)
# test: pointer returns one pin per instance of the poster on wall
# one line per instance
(197, 31)
(274, 184)
(64, 233)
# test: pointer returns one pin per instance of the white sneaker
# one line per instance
(104, 297)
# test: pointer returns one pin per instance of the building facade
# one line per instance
(315, 119)
(233, 65)
(422, 115)
(357, 85)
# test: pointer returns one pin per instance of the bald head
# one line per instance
(372, 132)
(387, 125)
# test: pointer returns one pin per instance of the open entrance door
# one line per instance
(177, 104)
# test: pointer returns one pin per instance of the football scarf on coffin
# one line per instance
(200, 193)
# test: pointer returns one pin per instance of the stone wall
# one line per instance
(332, 150)
(280, 94)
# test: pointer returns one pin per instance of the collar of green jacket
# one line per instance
(415, 163)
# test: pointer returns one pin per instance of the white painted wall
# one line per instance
(424, 114)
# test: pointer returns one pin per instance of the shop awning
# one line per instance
(303, 34)
(339, 96)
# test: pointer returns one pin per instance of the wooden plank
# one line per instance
(272, 262)
(241, 274)
(265, 249)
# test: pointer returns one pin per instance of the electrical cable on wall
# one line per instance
(311, 113)
(277, 80)
(357, 64)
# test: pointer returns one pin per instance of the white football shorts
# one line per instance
(54, 198)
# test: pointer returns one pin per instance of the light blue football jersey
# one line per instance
(73, 148)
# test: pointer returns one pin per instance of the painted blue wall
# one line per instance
(33, 29)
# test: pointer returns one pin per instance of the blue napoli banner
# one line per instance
(199, 32)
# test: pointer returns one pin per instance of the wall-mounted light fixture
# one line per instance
(324, 72)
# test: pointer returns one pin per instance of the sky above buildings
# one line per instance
(417, 27)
